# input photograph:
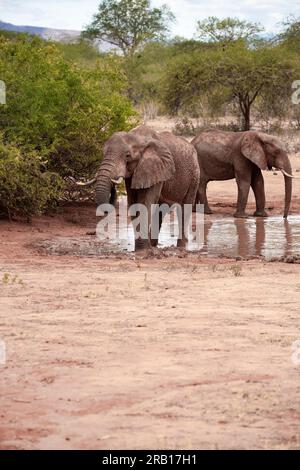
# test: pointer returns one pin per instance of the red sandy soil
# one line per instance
(134, 352)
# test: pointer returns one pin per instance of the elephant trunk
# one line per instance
(288, 188)
(104, 186)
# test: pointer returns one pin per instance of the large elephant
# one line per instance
(241, 155)
(158, 168)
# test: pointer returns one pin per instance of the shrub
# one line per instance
(58, 109)
(24, 188)
(184, 127)
(56, 117)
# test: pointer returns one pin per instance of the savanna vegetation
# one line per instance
(57, 115)
(64, 100)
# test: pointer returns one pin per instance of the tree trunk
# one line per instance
(245, 107)
(247, 120)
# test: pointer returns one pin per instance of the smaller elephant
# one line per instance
(243, 156)
(158, 168)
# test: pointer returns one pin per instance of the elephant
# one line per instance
(241, 155)
(158, 168)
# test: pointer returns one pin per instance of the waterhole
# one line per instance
(269, 238)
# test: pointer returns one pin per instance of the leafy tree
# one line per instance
(226, 30)
(290, 36)
(129, 24)
(62, 112)
(237, 75)
(249, 74)
(188, 77)
(55, 119)
(145, 71)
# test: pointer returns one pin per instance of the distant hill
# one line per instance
(60, 35)
(63, 35)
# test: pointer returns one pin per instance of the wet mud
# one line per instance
(272, 238)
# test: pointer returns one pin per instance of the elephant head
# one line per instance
(267, 151)
(142, 158)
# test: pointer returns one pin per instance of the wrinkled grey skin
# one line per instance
(157, 168)
(241, 155)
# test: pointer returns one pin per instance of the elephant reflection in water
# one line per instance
(239, 238)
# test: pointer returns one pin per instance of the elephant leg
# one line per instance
(146, 197)
(202, 195)
(258, 186)
(243, 183)
(158, 216)
(132, 199)
(131, 193)
(182, 238)
(184, 213)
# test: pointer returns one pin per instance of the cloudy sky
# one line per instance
(74, 14)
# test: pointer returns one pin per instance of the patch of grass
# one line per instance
(8, 278)
(236, 270)
(5, 278)
(91, 295)
(146, 285)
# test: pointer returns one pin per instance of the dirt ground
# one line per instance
(136, 352)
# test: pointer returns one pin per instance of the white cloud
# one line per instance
(74, 14)
(267, 12)
(65, 14)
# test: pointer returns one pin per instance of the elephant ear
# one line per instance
(156, 165)
(253, 150)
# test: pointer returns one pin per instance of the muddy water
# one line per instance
(272, 237)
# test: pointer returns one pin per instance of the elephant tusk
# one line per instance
(79, 183)
(288, 175)
(117, 181)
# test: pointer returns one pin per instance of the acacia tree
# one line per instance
(227, 30)
(249, 74)
(290, 36)
(239, 74)
(128, 24)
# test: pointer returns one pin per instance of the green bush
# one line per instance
(63, 112)
(24, 188)
(59, 111)
(81, 52)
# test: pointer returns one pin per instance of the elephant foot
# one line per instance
(208, 211)
(141, 245)
(154, 243)
(240, 215)
(260, 214)
(182, 243)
